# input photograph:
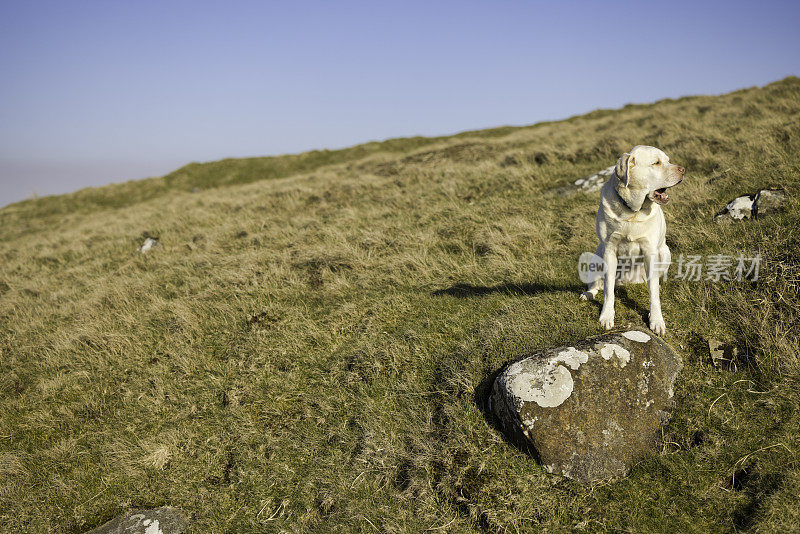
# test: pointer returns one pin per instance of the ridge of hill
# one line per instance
(230, 171)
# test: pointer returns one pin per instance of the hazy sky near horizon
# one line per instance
(95, 92)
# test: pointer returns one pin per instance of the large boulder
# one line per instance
(590, 410)
(164, 520)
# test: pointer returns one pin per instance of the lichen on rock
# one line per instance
(163, 520)
(611, 351)
(548, 383)
(636, 335)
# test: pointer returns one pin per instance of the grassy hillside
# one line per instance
(307, 347)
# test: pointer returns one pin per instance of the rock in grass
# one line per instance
(595, 182)
(736, 210)
(590, 410)
(148, 244)
(589, 184)
(763, 203)
(769, 201)
(164, 520)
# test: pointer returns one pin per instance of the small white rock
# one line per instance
(147, 245)
(607, 171)
(740, 208)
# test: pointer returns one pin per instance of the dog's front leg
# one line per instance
(610, 276)
(656, 319)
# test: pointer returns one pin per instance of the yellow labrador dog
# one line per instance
(630, 225)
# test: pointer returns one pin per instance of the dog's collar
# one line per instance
(635, 214)
(624, 201)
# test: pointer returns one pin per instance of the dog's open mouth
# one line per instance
(660, 196)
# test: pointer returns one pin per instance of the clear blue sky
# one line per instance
(99, 91)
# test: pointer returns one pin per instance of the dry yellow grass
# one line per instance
(306, 348)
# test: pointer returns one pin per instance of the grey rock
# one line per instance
(769, 201)
(591, 410)
(164, 520)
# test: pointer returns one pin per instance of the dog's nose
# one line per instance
(681, 170)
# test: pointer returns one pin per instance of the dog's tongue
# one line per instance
(661, 195)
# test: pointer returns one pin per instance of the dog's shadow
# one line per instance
(506, 288)
(465, 291)
(623, 294)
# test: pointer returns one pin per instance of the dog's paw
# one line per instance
(586, 295)
(607, 320)
(657, 325)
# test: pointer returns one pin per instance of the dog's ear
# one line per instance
(624, 164)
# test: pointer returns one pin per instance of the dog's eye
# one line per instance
(657, 163)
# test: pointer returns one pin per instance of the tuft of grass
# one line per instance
(309, 346)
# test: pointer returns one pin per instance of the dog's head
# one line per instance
(646, 172)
